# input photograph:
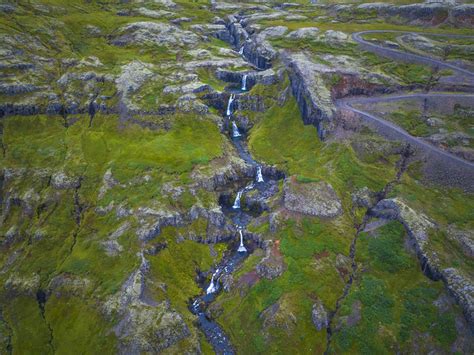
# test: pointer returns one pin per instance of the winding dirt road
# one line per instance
(440, 165)
(406, 56)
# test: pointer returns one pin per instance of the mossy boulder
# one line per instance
(313, 198)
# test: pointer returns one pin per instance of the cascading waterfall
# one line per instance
(235, 130)
(212, 286)
(259, 174)
(229, 105)
(241, 50)
(237, 200)
(244, 82)
(242, 248)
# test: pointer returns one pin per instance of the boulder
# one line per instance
(272, 265)
(61, 181)
(319, 316)
(143, 11)
(314, 199)
(305, 32)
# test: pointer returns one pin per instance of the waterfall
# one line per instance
(241, 50)
(259, 174)
(242, 248)
(244, 82)
(235, 130)
(212, 287)
(237, 200)
(229, 105)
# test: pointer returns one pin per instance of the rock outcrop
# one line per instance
(156, 33)
(272, 265)
(314, 198)
(461, 286)
(319, 316)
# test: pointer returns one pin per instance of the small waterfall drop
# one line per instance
(241, 50)
(242, 248)
(212, 286)
(244, 82)
(229, 105)
(259, 174)
(237, 200)
(235, 130)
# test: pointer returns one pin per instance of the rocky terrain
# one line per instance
(236, 177)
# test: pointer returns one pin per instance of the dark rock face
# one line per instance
(238, 35)
(308, 88)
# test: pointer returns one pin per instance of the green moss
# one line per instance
(30, 333)
(396, 300)
(70, 317)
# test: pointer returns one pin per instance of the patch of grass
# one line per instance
(396, 300)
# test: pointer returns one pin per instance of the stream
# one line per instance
(240, 218)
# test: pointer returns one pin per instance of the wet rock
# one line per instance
(154, 32)
(363, 197)
(272, 265)
(319, 316)
(314, 198)
(227, 281)
(238, 35)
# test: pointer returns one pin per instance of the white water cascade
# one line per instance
(212, 286)
(259, 174)
(235, 130)
(241, 50)
(242, 248)
(229, 105)
(236, 205)
(244, 82)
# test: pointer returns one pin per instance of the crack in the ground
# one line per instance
(405, 156)
(9, 345)
(41, 299)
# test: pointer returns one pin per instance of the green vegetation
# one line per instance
(309, 248)
(84, 199)
(393, 300)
